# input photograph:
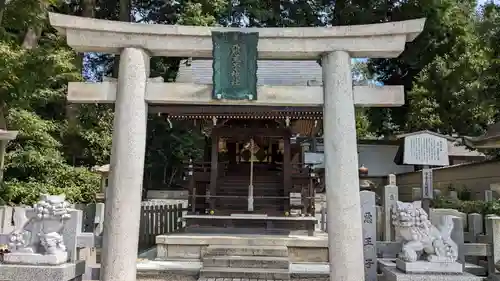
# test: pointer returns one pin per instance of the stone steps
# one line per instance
(234, 279)
(250, 273)
(247, 262)
(244, 250)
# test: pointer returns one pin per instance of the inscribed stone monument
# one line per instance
(369, 215)
(390, 197)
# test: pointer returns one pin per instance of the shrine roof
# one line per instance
(449, 138)
(269, 72)
(491, 139)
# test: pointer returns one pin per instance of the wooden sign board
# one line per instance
(315, 159)
(235, 65)
(425, 149)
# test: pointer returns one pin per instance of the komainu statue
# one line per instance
(41, 233)
(420, 237)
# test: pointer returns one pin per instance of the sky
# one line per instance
(480, 2)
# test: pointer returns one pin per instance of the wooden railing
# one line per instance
(304, 182)
(203, 166)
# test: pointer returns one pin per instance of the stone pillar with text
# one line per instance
(345, 236)
(123, 200)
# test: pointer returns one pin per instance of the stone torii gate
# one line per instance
(133, 92)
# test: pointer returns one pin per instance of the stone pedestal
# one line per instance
(429, 267)
(426, 271)
(63, 272)
(35, 259)
(394, 274)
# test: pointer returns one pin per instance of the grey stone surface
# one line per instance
(36, 259)
(64, 272)
(429, 267)
(384, 262)
(124, 193)
(252, 273)
(470, 268)
(241, 250)
(345, 233)
(457, 235)
(247, 262)
(247, 279)
(436, 215)
(388, 249)
(88, 240)
(493, 231)
(475, 225)
(389, 199)
(71, 230)
(166, 276)
(368, 216)
(488, 195)
(394, 274)
(416, 194)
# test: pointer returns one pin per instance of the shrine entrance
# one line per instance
(250, 175)
(235, 53)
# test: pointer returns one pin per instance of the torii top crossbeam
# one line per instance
(382, 40)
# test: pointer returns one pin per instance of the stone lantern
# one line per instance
(5, 137)
(363, 184)
(104, 172)
(363, 171)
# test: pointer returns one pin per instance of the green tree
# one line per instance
(35, 67)
(441, 72)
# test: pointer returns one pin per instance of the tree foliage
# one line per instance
(443, 73)
(450, 75)
(33, 84)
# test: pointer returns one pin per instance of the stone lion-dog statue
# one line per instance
(421, 239)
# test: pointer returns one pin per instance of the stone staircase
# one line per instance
(245, 262)
(266, 183)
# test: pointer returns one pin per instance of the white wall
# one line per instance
(379, 159)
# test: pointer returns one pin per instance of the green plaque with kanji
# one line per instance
(235, 65)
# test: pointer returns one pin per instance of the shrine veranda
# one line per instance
(240, 116)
